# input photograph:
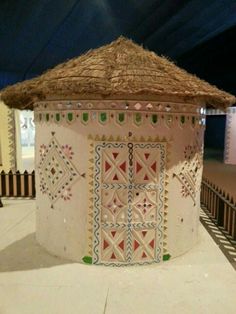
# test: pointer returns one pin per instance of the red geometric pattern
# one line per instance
(124, 205)
(146, 165)
(113, 245)
(143, 245)
(115, 165)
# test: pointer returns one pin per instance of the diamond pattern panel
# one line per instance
(144, 206)
(56, 171)
(114, 206)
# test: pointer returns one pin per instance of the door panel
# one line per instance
(128, 204)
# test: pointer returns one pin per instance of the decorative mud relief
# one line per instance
(56, 171)
(128, 202)
(119, 118)
(190, 171)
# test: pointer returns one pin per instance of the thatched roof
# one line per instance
(121, 70)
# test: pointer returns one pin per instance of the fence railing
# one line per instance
(220, 206)
(17, 184)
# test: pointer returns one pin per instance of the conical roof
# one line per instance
(120, 70)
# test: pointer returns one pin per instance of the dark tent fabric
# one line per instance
(198, 35)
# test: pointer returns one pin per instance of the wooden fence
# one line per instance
(220, 207)
(17, 184)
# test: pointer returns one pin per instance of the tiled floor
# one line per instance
(32, 281)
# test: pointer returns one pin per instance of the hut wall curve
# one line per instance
(118, 183)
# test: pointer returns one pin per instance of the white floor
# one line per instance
(32, 281)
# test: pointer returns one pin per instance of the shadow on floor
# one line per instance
(27, 254)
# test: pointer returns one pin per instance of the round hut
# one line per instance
(119, 145)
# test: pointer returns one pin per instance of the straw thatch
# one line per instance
(121, 70)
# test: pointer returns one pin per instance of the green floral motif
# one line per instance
(166, 257)
(87, 259)
(103, 117)
(58, 117)
(70, 116)
(85, 116)
(182, 119)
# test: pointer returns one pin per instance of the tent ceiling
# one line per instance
(198, 35)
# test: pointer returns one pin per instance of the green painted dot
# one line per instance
(121, 117)
(47, 116)
(58, 117)
(85, 116)
(154, 118)
(193, 120)
(166, 257)
(87, 259)
(70, 116)
(103, 117)
(182, 119)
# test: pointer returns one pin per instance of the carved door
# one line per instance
(129, 185)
